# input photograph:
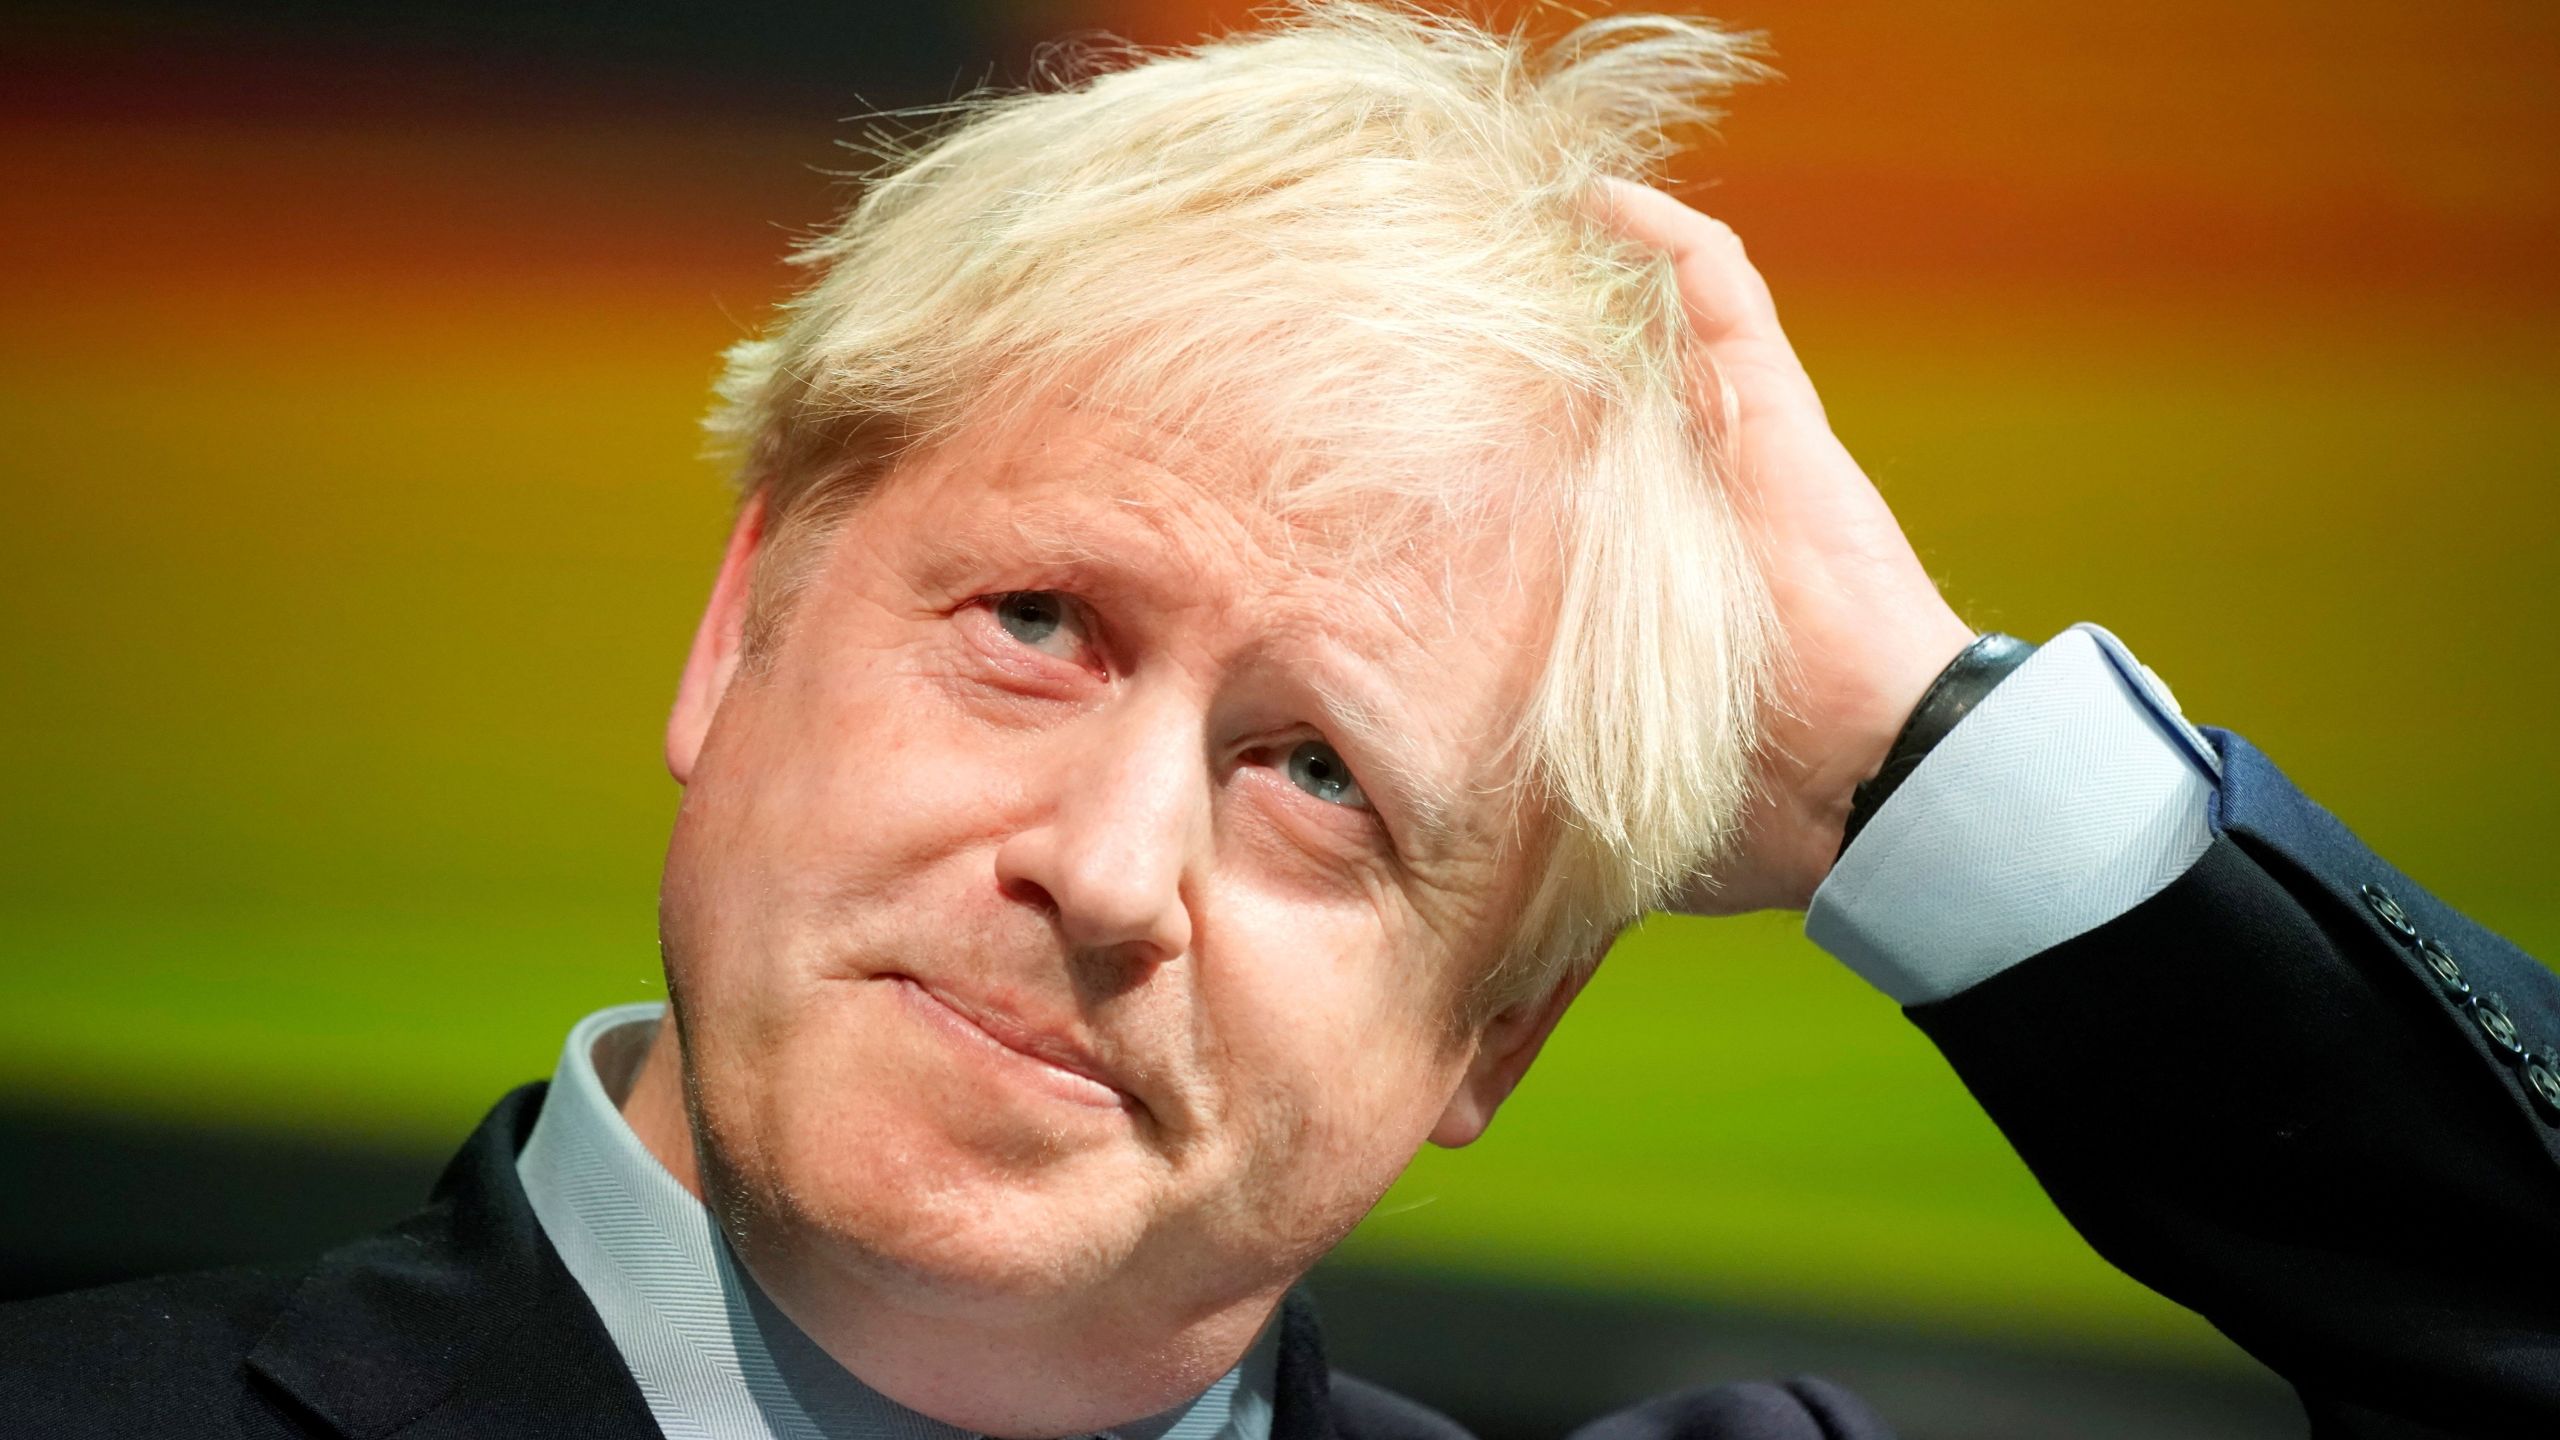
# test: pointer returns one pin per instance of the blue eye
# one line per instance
(1315, 768)
(1033, 617)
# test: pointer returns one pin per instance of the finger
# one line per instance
(1727, 298)
(1728, 302)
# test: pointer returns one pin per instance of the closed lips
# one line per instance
(1077, 1067)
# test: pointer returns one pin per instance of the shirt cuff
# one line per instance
(2074, 792)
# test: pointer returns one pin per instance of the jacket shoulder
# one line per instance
(156, 1356)
(360, 1340)
(1804, 1408)
(1363, 1411)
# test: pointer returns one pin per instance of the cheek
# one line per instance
(856, 777)
(822, 812)
(829, 825)
(1337, 1061)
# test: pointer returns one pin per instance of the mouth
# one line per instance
(1048, 1060)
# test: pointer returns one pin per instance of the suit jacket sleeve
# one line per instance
(2301, 1095)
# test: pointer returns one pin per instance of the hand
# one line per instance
(1864, 628)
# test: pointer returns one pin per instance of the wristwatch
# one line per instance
(1974, 672)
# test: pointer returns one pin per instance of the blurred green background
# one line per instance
(349, 369)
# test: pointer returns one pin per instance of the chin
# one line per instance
(902, 1197)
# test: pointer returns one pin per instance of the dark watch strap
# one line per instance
(1951, 697)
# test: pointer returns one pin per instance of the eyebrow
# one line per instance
(1046, 535)
(1429, 802)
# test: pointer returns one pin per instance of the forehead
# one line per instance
(1419, 631)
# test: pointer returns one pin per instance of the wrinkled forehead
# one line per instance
(1439, 542)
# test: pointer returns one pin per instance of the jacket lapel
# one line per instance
(1302, 1408)
(459, 1321)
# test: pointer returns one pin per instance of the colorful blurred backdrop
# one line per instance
(350, 363)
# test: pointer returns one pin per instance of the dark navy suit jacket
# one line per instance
(2293, 1091)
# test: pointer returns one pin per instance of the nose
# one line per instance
(1120, 812)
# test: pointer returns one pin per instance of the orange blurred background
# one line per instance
(350, 364)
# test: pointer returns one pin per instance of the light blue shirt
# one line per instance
(2074, 792)
(712, 1354)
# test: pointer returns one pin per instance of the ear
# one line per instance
(1510, 1041)
(713, 661)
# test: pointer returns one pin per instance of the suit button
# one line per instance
(2388, 911)
(2490, 1013)
(2543, 1084)
(2439, 963)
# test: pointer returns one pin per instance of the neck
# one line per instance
(655, 1110)
(989, 1364)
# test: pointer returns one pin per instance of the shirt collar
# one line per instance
(712, 1353)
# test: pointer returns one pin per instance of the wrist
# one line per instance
(1865, 738)
(1951, 696)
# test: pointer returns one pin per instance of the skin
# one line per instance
(1038, 1024)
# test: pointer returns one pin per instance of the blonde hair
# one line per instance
(1373, 235)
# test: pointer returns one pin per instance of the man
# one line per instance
(1252, 570)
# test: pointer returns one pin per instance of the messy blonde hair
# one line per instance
(1372, 235)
